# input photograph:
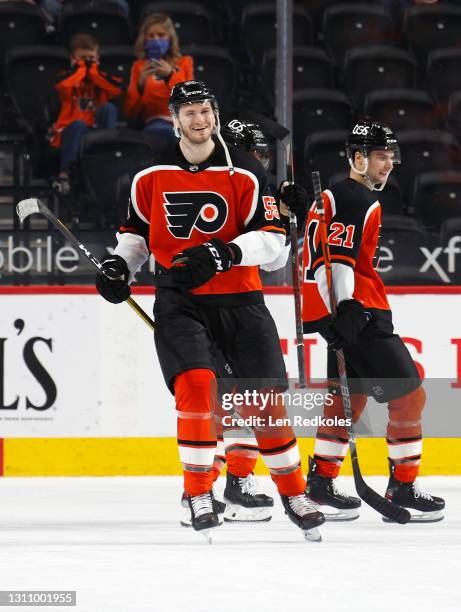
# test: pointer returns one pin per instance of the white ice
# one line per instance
(117, 542)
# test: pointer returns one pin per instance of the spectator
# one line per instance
(158, 68)
(84, 93)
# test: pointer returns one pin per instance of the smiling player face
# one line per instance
(196, 122)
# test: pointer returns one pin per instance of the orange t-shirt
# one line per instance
(153, 102)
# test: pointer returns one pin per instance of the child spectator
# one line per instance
(159, 67)
(84, 93)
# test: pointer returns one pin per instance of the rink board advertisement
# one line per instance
(80, 376)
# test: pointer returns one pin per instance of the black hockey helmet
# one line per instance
(189, 92)
(245, 135)
(367, 136)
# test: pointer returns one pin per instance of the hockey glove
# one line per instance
(197, 265)
(345, 329)
(112, 283)
(296, 200)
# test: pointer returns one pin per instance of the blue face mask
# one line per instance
(156, 48)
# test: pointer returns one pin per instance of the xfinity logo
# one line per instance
(432, 258)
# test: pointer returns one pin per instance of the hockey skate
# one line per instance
(335, 505)
(407, 494)
(203, 514)
(243, 503)
(304, 514)
(186, 520)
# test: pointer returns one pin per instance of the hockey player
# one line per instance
(239, 449)
(377, 361)
(209, 222)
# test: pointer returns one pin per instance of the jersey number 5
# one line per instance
(272, 212)
(337, 237)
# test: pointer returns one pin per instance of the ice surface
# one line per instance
(118, 543)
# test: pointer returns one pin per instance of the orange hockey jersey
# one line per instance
(353, 216)
(175, 205)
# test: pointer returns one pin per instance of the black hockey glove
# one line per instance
(295, 198)
(112, 284)
(197, 265)
(345, 329)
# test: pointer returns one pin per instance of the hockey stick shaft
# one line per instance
(34, 205)
(295, 273)
(372, 498)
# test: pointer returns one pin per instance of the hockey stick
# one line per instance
(382, 505)
(34, 205)
(295, 272)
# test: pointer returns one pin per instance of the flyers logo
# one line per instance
(202, 210)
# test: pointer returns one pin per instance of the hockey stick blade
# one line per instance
(379, 503)
(393, 512)
(27, 207)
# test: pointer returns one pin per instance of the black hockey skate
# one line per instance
(304, 514)
(243, 503)
(335, 505)
(407, 494)
(186, 520)
(203, 514)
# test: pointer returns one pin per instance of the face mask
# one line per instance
(156, 48)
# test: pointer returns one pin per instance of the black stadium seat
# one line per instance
(105, 21)
(319, 110)
(31, 73)
(429, 27)
(105, 155)
(424, 151)
(402, 109)
(449, 228)
(193, 23)
(311, 68)
(454, 113)
(326, 152)
(259, 23)
(216, 67)
(20, 24)
(355, 25)
(117, 60)
(443, 73)
(437, 197)
(370, 68)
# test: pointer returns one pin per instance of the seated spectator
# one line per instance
(84, 94)
(159, 67)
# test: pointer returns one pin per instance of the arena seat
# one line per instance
(402, 109)
(370, 68)
(437, 197)
(443, 73)
(117, 60)
(319, 110)
(429, 27)
(312, 68)
(20, 24)
(105, 21)
(355, 25)
(105, 155)
(259, 29)
(424, 151)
